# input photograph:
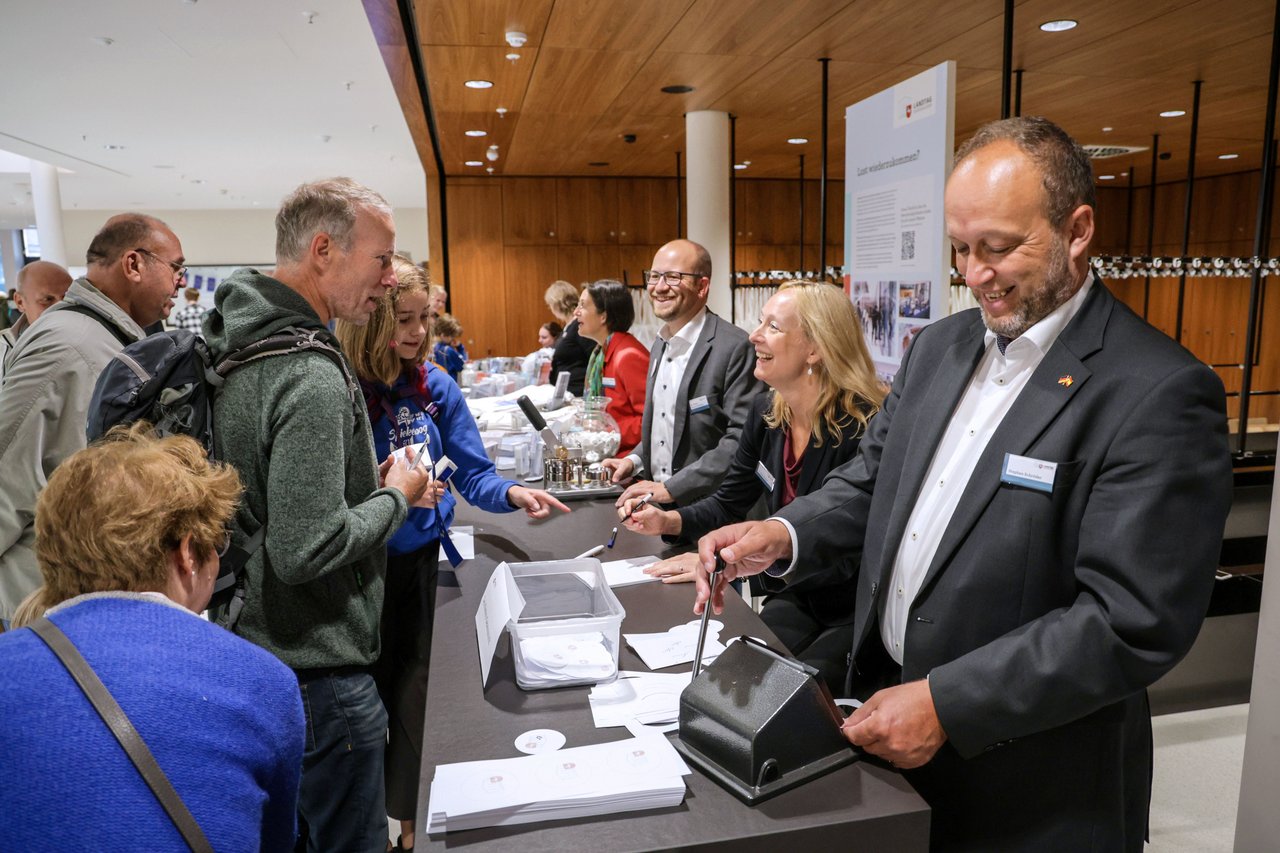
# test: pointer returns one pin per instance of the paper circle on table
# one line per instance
(539, 740)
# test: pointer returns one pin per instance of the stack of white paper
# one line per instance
(649, 698)
(643, 772)
(628, 571)
(566, 657)
(677, 645)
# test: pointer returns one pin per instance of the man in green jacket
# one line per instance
(296, 431)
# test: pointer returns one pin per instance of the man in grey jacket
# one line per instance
(297, 431)
(701, 384)
(41, 285)
(135, 266)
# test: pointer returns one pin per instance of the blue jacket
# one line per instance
(222, 717)
(451, 358)
(399, 417)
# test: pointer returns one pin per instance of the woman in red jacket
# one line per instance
(620, 364)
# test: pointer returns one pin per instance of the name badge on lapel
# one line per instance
(764, 475)
(699, 404)
(1028, 473)
(609, 382)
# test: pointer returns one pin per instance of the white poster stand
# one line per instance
(897, 261)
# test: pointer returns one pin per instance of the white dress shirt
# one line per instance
(667, 377)
(993, 388)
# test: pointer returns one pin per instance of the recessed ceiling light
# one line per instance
(1059, 26)
(677, 90)
(797, 140)
(113, 147)
(513, 56)
(1172, 113)
(162, 166)
(739, 165)
(1124, 174)
(474, 163)
(477, 133)
(502, 111)
(1106, 177)
(105, 41)
(197, 180)
(746, 162)
(597, 163)
(479, 84)
(1228, 156)
(1107, 129)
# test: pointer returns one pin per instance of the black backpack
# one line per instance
(170, 379)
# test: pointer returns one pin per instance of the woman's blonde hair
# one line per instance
(111, 513)
(368, 346)
(850, 390)
(562, 298)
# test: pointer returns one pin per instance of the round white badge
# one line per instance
(539, 741)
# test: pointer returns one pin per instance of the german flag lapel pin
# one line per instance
(1066, 381)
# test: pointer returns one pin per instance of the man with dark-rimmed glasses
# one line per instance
(135, 265)
(699, 390)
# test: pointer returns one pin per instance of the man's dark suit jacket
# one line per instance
(1043, 617)
(829, 597)
(721, 368)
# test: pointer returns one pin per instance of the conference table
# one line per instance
(859, 806)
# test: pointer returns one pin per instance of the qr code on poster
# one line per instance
(908, 245)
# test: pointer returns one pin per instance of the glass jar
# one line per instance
(592, 430)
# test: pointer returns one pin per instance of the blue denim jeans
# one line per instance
(341, 799)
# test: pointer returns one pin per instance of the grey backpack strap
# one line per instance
(116, 719)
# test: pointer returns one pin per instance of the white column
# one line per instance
(707, 200)
(1257, 818)
(47, 198)
(11, 257)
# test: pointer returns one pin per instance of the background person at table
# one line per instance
(1039, 506)
(572, 350)
(810, 352)
(408, 401)
(548, 334)
(700, 385)
(191, 316)
(437, 297)
(126, 567)
(618, 367)
(449, 351)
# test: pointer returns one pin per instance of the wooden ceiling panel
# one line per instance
(457, 147)
(546, 144)
(711, 77)
(579, 81)
(602, 25)
(448, 68)
(879, 30)
(653, 152)
(480, 22)
(749, 27)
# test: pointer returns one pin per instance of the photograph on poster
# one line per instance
(914, 299)
(904, 334)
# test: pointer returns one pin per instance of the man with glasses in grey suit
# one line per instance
(700, 386)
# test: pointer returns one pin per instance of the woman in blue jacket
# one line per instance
(410, 402)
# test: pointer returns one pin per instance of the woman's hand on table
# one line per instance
(649, 519)
(682, 568)
(536, 503)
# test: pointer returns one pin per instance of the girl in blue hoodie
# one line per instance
(410, 401)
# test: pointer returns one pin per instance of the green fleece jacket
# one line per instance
(305, 453)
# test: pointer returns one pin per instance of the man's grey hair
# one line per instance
(322, 207)
(1065, 170)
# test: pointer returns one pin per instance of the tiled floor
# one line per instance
(1198, 759)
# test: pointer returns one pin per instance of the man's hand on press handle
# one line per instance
(747, 549)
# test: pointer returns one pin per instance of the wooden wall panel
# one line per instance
(529, 269)
(529, 212)
(476, 291)
(587, 210)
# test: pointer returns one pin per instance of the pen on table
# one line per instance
(591, 553)
(613, 537)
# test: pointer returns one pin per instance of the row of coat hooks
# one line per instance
(772, 278)
(1142, 266)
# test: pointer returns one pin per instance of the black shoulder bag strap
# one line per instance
(118, 722)
(111, 327)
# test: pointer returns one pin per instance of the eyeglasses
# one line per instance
(226, 545)
(670, 278)
(179, 271)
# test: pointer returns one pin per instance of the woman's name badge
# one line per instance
(699, 404)
(764, 475)
(609, 382)
(1028, 473)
